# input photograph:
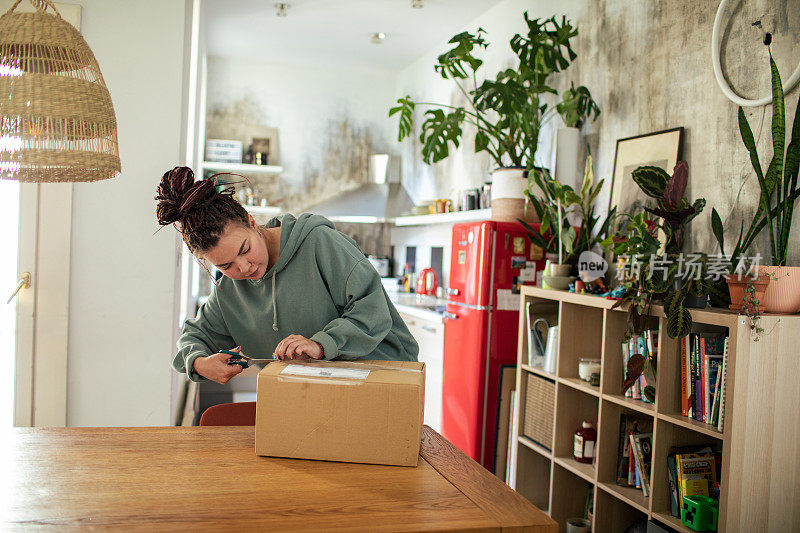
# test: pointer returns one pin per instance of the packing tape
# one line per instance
(355, 365)
(334, 372)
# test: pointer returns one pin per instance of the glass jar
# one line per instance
(589, 370)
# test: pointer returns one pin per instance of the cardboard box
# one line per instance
(357, 412)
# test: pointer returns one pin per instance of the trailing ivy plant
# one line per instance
(508, 111)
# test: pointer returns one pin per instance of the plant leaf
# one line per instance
(481, 141)
(679, 320)
(455, 62)
(438, 131)
(652, 180)
(634, 370)
(406, 110)
(673, 193)
(719, 231)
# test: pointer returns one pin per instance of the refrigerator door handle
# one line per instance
(450, 316)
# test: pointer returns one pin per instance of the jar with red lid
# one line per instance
(585, 439)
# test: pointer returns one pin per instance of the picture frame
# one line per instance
(661, 149)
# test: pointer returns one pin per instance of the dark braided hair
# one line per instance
(198, 210)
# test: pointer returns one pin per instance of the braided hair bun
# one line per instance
(198, 210)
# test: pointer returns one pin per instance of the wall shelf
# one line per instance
(444, 218)
(761, 403)
(241, 168)
(269, 210)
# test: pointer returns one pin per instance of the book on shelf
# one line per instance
(672, 472)
(691, 471)
(647, 346)
(702, 377)
(684, 394)
(625, 357)
(629, 425)
(642, 446)
(696, 473)
(723, 381)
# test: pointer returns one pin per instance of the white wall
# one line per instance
(309, 106)
(122, 275)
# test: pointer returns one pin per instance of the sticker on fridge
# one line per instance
(507, 300)
(518, 261)
(527, 274)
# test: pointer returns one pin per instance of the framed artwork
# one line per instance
(659, 149)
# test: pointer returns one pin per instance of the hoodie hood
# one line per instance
(294, 231)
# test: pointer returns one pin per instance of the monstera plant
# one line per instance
(508, 111)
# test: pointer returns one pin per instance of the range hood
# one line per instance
(381, 199)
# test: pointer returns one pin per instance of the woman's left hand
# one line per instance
(298, 347)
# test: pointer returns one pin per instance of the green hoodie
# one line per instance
(322, 287)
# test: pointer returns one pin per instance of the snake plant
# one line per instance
(778, 185)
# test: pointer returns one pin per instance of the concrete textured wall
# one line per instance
(328, 121)
(648, 65)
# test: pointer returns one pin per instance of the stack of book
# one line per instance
(634, 451)
(704, 362)
(692, 471)
(644, 345)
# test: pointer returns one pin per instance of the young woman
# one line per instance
(295, 288)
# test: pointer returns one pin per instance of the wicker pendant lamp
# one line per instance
(57, 123)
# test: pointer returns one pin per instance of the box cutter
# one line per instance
(242, 360)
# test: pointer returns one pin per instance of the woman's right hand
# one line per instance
(216, 368)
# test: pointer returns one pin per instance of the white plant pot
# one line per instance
(568, 171)
(508, 195)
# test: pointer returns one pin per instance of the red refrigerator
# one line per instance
(489, 261)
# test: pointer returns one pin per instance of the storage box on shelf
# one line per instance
(757, 492)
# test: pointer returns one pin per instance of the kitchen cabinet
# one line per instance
(429, 334)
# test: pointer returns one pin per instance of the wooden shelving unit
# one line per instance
(758, 492)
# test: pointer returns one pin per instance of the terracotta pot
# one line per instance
(737, 285)
(783, 293)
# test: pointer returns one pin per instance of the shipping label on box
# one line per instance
(359, 412)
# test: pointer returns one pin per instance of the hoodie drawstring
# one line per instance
(274, 305)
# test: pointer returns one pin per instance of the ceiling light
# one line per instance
(281, 8)
(417, 4)
(377, 37)
(57, 122)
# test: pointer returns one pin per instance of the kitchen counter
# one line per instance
(419, 305)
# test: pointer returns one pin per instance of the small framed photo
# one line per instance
(659, 149)
(260, 145)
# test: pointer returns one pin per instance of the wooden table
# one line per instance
(209, 478)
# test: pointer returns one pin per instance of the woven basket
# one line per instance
(539, 410)
(57, 122)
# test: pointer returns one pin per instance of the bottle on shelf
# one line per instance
(585, 439)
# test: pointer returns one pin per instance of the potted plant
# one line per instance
(779, 191)
(575, 108)
(672, 206)
(544, 195)
(507, 112)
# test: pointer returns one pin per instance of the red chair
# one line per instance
(230, 414)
